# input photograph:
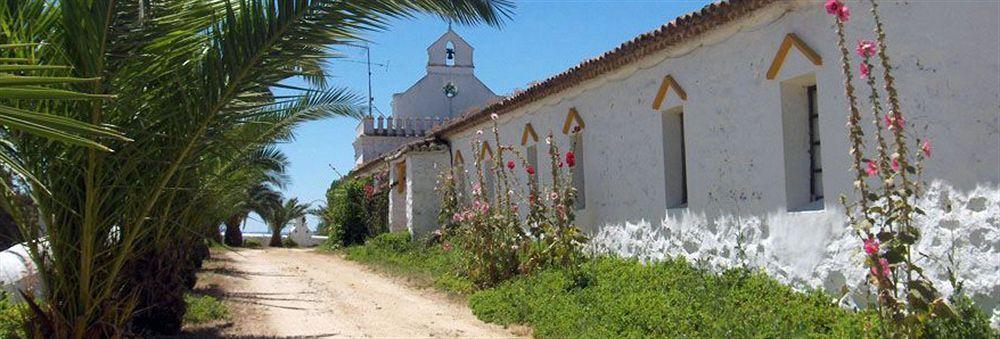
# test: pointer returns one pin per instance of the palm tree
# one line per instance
(262, 177)
(277, 217)
(193, 82)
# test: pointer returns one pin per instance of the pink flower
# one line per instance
(510, 164)
(872, 168)
(894, 121)
(560, 164)
(553, 196)
(926, 147)
(530, 170)
(866, 48)
(871, 246)
(457, 217)
(885, 267)
(570, 159)
(844, 13)
(864, 70)
(833, 6)
(895, 164)
(476, 189)
(446, 247)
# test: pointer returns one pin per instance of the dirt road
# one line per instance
(297, 292)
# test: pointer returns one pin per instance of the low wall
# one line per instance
(961, 232)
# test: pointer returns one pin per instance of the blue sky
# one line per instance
(543, 38)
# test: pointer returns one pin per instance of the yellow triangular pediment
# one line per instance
(573, 115)
(786, 45)
(458, 160)
(529, 131)
(668, 84)
(486, 150)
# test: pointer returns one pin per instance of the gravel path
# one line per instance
(298, 292)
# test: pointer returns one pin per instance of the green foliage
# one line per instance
(289, 243)
(972, 322)
(252, 244)
(358, 209)
(11, 317)
(396, 254)
(204, 308)
(610, 297)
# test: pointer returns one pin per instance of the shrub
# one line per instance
(500, 243)
(12, 316)
(289, 243)
(204, 308)
(358, 210)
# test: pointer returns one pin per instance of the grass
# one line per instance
(616, 297)
(203, 309)
(396, 254)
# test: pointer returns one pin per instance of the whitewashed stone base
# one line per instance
(961, 231)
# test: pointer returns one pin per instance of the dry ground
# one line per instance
(301, 293)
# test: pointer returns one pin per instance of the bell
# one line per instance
(450, 52)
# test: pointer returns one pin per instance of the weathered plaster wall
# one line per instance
(422, 201)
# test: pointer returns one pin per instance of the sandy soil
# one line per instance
(297, 292)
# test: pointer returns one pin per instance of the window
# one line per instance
(532, 154)
(401, 177)
(579, 178)
(458, 168)
(802, 146)
(674, 158)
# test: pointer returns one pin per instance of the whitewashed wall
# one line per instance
(948, 74)
(423, 202)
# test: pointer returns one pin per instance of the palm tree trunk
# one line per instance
(234, 236)
(275, 238)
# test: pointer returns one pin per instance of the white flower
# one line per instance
(494, 116)
(479, 132)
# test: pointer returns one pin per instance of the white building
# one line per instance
(449, 88)
(701, 130)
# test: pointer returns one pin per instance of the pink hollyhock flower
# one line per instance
(833, 6)
(894, 121)
(570, 159)
(844, 13)
(476, 189)
(926, 147)
(866, 48)
(446, 247)
(872, 168)
(864, 70)
(457, 217)
(895, 164)
(553, 196)
(560, 164)
(530, 170)
(871, 246)
(510, 164)
(886, 271)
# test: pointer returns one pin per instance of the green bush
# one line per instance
(357, 211)
(288, 242)
(204, 308)
(396, 254)
(11, 317)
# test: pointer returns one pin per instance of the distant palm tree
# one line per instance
(280, 215)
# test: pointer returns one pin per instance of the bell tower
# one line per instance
(449, 54)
